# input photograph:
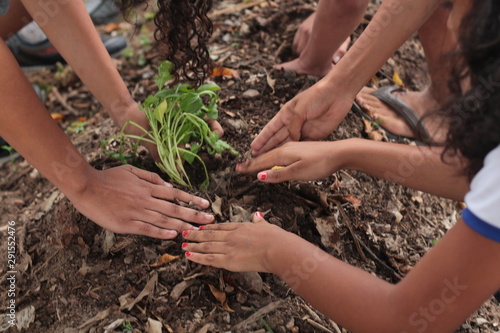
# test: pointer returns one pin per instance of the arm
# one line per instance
(440, 292)
(420, 168)
(123, 199)
(316, 112)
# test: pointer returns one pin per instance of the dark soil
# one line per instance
(76, 277)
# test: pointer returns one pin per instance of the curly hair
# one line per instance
(183, 30)
(473, 118)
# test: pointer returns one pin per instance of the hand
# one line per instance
(238, 247)
(311, 115)
(129, 200)
(298, 161)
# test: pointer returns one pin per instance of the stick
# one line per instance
(236, 8)
(253, 318)
(351, 230)
(64, 102)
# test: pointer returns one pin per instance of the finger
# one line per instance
(274, 126)
(167, 192)
(265, 161)
(145, 229)
(176, 211)
(165, 222)
(280, 137)
(291, 172)
(206, 247)
(297, 43)
(216, 127)
(258, 217)
(208, 235)
(215, 260)
(150, 177)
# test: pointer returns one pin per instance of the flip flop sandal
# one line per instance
(7, 154)
(403, 110)
(44, 54)
(102, 11)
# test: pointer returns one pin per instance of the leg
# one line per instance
(437, 43)
(334, 22)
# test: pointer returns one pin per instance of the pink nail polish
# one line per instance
(201, 227)
(185, 233)
(238, 167)
(262, 176)
(185, 244)
(188, 254)
(259, 214)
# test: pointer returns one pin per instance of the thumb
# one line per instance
(258, 217)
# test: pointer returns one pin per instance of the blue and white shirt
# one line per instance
(483, 200)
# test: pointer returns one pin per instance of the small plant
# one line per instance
(127, 327)
(177, 117)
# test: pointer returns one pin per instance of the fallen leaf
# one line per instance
(82, 119)
(217, 206)
(355, 202)
(153, 326)
(58, 117)
(221, 297)
(225, 72)
(25, 317)
(148, 289)
(165, 259)
(397, 79)
(112, 27)
(372, 133)
(270, 81)
(230, 114)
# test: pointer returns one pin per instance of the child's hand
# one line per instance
(297, 161)
(238, 247)
(129, 200)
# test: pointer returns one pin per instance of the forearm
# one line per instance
(31, 131)
(451, 275)
(419, 168)
(71, 31)
(392, 25)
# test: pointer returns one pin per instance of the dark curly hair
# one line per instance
(183, 29)
(473, 117)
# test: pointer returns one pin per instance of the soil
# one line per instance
(73, 276)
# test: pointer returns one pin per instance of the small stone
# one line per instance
(251, 93)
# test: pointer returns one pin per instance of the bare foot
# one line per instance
(420, 101)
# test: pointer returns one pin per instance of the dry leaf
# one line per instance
(165, 259)
(58, 117)
(225, 72)
(371, 132)
(355, 202)
(397, 79)
(217, 206)
(112, 27)
(221, 297)
(270, 81)
(230, 114)
(148, 289)
(153, 326)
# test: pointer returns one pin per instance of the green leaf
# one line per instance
(208, 87)
(191, 102)
(164, 73)
(160, 111)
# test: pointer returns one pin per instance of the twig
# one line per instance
(64, 102)
(236, 8)
(351, 230)
(318, 325)
(268, 308)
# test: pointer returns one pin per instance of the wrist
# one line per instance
(347, 153)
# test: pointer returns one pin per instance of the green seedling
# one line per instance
(177, 118)
(127, 327)
(77, 127)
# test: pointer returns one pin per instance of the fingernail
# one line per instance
(185, 233)
(262, 176)
(188, 254)
(201, 227)
(259, 214)
(168, 185)
(209, 217)
(184, 244)
(238, 167)
(205, 202)
(247, 162)
(336, 59)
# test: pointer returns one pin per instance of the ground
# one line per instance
(76, 277)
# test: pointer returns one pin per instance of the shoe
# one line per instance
(102, 11)
(30, 51)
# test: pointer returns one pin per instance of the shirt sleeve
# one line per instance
(483, 200)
